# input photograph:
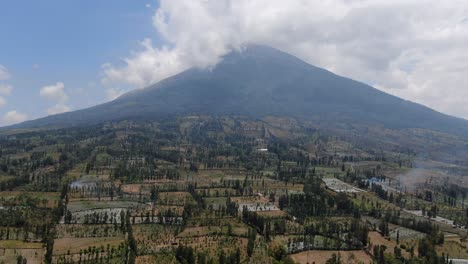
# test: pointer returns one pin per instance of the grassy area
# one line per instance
(321, 256)
(74, 174)
(46, 199)
(4, 178)
(32, 255)
(18, 244)
(455, 248)
(215, 201)
(75, 206)
(175, 198)
(75, 244)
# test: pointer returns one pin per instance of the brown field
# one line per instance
(152, 238)
(75, 173)
(238, 229)
(33, 256)
(131, 188)
(321, 256)
(10, 249)
(174, 198)
(200, 231)
(454, 247)
(205, 178)
(272, 214)
(81, 230)
(162, 181)
(377, 239)
(249, 199)
(156, 259)
(213, 243)
(62, 245)
(277, 185)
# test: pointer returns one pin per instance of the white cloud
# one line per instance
(56, 93)
(3, 102)
(146, 67)
(113, 93)
(415, 49)
(13, 117)
(5, 89)
(4, 74)
(57, 109)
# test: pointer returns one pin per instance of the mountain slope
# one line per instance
(261, 81)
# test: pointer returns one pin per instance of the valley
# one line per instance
(201, 189)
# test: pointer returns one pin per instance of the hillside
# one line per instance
(257, 82)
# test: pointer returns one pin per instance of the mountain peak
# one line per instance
(259, 81)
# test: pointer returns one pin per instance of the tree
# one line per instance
(68, 217)
(334, 259)
(252, 235)
(49, 248)
(21, 260)
(154, 194)
(222, 257)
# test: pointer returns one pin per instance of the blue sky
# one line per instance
(49, 41)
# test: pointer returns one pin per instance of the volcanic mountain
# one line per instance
(261, 81)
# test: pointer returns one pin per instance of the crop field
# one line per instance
(233, 227)
(165, 210)
(75, 249)
(456, 248)
(153, 238)
(81, 231)
(272, 213)
(175, 198)
(217, 192)
(157, 258)
(11, 249)
(75, 245)
(258, 207)
(134, 189)
(321, 256)
(405, 234)
(76, 206)
(211, 244)
(161, 197)
(45, 199)
(294, 243)
(215, 202)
